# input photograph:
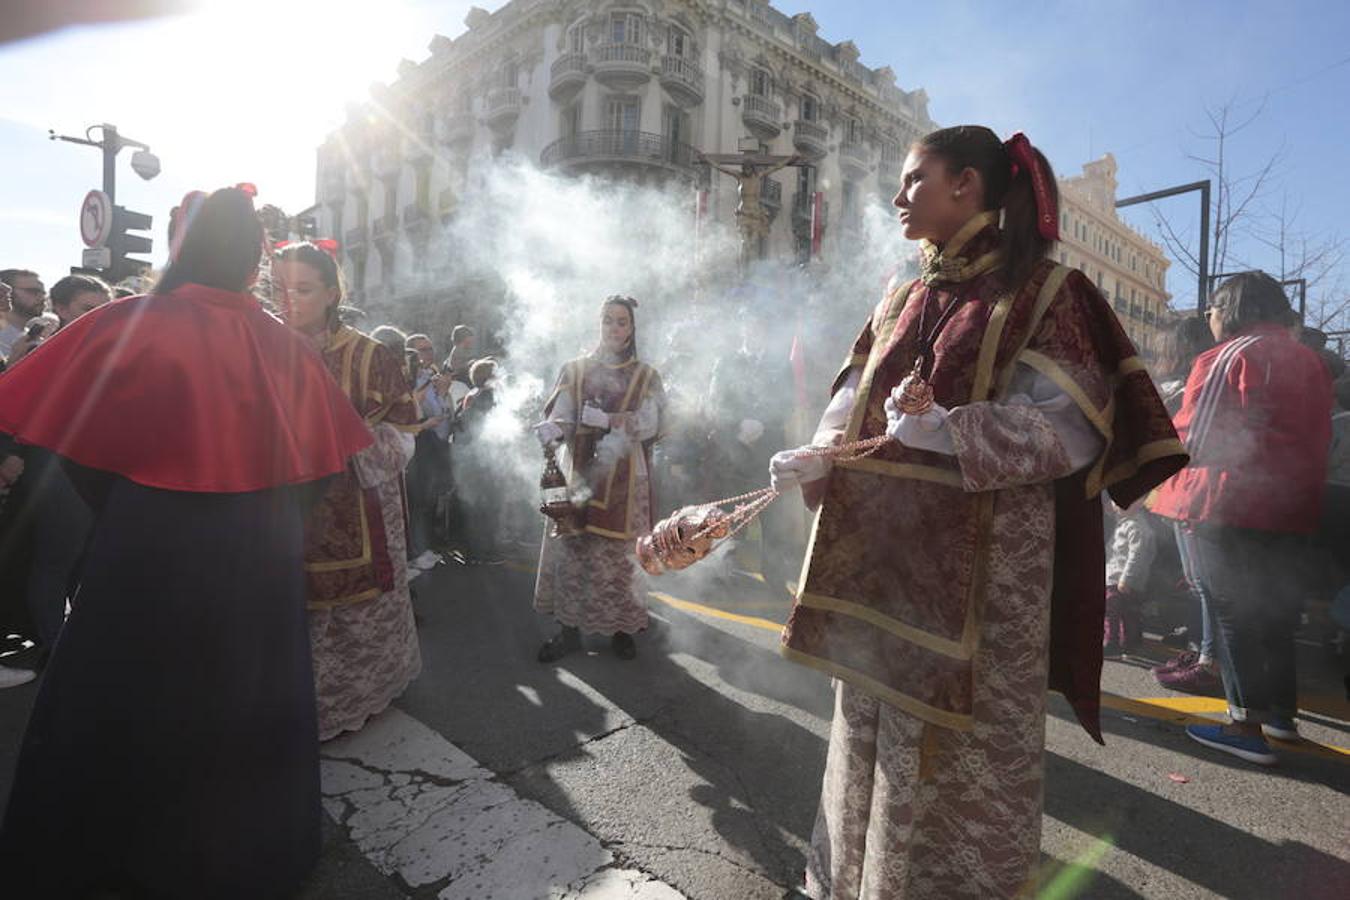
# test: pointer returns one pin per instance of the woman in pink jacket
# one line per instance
(1256, 420)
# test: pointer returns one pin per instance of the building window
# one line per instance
(571, 120)
(679, 42)
(624, 114)
(853, 130)
(675, 125)
(576, 38)
(509, 76)
(625, 28)
(759, 82)
(810, 108)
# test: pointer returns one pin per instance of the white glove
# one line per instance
(750, 431)
(926, 432)
(787, 470)
(548, 433)
(593, 416)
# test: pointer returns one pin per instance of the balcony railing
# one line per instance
(567, 75)
(503, 105)
(619, 146)
(682, 77)
(811, 138)
(623, 63)
(762, 113)
(854, 153)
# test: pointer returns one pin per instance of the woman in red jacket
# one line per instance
(1256, 420)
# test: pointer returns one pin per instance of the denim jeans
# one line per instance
(1186, 550)
(1254, 600)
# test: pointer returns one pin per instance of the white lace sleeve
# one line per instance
(1080, 440)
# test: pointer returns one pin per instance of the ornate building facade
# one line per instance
(1127, 267)
(628, 88)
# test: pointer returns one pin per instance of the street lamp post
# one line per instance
(1202, 281)
(145, 163)
(122, 240)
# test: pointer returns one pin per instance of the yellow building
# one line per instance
(1127, 267)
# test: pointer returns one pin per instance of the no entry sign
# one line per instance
(96, 219)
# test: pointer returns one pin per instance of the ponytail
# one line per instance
(1023, 235)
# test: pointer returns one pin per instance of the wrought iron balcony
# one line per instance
(623, 65)
(810, 138)
(854, 156)
(568, 76)
(682, 79)
(761, 115)
(619, 148)
(503, 107)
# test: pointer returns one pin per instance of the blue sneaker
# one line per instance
(1244, 746)
(1281, 728)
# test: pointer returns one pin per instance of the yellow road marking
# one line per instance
(715, 613)
(1177, 710)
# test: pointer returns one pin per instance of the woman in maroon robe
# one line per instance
(361, 623)
(607, 408)
(954, 572)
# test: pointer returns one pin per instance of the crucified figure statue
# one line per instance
(750, 169)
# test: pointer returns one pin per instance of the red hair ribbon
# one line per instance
(248, 188)
(327, 245)
(1023, 157)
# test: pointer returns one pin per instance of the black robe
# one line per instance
(173, 747)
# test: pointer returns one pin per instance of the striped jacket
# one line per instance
(1257, 421)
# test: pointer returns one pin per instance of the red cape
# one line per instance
(195, 390)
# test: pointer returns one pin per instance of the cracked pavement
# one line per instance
(694, 770)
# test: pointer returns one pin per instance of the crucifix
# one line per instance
(751, 167)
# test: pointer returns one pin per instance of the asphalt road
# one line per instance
(695, 769)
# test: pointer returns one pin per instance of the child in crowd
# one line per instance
(1133, 548)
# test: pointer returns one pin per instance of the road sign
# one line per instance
(96, 219)
(97, 258)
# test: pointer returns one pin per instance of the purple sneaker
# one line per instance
(1197, 678)
(1183, 660)
(1252, 748)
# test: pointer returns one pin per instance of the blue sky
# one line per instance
(246, 91)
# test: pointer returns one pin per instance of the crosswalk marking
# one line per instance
(429, 816)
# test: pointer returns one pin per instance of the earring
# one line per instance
(956, 193)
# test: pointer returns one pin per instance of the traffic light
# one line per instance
(123, 242)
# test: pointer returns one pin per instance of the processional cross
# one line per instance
(751, 168)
